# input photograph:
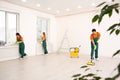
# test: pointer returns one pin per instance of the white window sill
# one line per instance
(2, 47)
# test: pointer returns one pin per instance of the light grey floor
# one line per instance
(54, 67)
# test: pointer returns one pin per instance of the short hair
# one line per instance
(43, 33)
(93, 30)
(17, 34)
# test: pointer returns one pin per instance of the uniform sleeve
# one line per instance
(98, 34)
(16, 39)
(91, 37)
(44, 38)
(21, 39)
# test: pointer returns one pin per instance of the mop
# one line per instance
(91, 63)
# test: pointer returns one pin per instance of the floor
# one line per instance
(54, 67)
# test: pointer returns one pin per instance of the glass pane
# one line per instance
(42, 25)
(39, 28)
(11, 27)
(45, 26)
(2, 26)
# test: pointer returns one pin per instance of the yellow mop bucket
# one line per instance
(74, 52)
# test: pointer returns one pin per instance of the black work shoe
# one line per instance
(25, 54)
(21, 57)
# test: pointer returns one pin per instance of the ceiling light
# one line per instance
(67, 9)
(49, 8)
(38, 5)
(93, 4)
(79, 7)
(24, 0)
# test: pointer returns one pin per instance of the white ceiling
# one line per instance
(58, 7)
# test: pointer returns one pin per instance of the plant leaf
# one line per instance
(119, 24)
(109, 79)
(112, 27)
(110, 13)
(95, 18)
(117, 31)
(100, 4)
(81, 78)
(116, 53)
(104, 7)
(112, 31)
(119, 68)
(89, 75)
(76, 75)
(87, 69)
(115, 5)
(84, 66)
(75, 79)
(109, 9)
(116, 10)
(100, 19)
(97, 77)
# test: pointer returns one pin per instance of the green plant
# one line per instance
(85, 77)
(106, 10)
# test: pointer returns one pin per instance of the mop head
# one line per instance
(91, 63)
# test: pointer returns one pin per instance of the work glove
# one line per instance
(14, 44)
(94, 47)
(97, 41)
(18, 42)
(40, 41)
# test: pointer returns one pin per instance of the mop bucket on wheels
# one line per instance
(74, 52)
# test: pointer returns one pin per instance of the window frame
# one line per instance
(4, 26)
(6, 22)
(47, 28)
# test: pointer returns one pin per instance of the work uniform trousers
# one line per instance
(93, 49)
(21, 49)
(45, 47)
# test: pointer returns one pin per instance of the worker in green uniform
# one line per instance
(21, 45)
(44, 44)
(94, 37)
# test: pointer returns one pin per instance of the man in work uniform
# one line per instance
(94, 37)
(44, 43)
(21, 45)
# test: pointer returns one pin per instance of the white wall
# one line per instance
(79, 28)
(9, 52)
(27, 26)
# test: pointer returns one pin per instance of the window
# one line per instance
(8, 26)
(42, 26)
(2, 26)
(11, 30)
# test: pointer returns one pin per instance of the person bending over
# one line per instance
(44, 43)
(21, 45)
(94, 37)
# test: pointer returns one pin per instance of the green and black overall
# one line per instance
(94, 44)
(45, 46)
(21, 48)
(93, 48)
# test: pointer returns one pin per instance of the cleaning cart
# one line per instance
(74, 52)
